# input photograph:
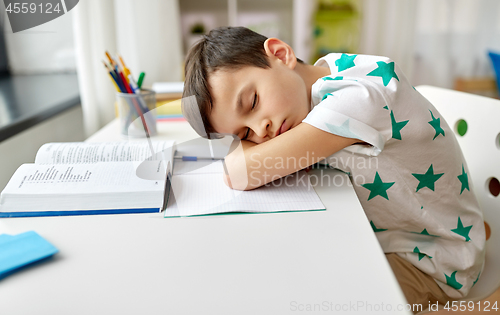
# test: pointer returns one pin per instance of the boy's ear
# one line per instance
(279, 50)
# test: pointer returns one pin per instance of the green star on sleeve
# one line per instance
(385, 71)
(342, 130)
(462, 231)
(345, 62)
(375, 229)
(397, 126)
(436, 124)
(332, 79)
(326, 95)
(378, 187)
(428, 179)
(464, 179)
(452, 281)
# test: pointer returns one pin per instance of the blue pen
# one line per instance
(195, 158)
(189, 158)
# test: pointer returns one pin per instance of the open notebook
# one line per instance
(198, 189)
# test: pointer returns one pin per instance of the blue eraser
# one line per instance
(22, 249)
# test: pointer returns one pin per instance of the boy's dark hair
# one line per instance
(223, 48)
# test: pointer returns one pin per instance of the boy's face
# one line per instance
(258, 104)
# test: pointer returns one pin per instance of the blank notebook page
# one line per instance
(198, 189)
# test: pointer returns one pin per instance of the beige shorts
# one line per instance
(418, 287)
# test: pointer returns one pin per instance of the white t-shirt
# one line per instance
(410, 176)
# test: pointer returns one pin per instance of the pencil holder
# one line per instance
(137, 113)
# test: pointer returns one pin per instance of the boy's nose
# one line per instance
(263, 130)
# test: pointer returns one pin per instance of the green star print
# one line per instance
(345, 62)
(428, 179)
(461, 230)
(464, 180)
(436, 124)
(326, 95)
(378, 187)
(420, 255)
(375, 229)
(342, 130)
(476, 279)
(397, 126)
(385, 71)
(452, 281)
(332, 79)
(424, 232)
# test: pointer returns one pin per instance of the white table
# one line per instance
(276, 263)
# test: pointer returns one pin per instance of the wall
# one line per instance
(46, 48)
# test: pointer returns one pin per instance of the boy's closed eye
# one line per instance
(254, 103)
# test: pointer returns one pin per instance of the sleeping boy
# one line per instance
(417, 197)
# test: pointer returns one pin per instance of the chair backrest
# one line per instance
(476, 123)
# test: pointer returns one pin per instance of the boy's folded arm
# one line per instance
(252, 165)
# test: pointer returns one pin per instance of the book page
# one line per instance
(94, 152)
(32, 179)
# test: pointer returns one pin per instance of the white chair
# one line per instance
(481, 148)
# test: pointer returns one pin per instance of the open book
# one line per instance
(127, 177)
(90, 178)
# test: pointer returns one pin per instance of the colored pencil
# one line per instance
(112, 78)
(140, 79)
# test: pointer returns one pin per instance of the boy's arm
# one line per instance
(252, 165)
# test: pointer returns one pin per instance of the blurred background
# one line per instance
(445, 43)
(449, 36)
